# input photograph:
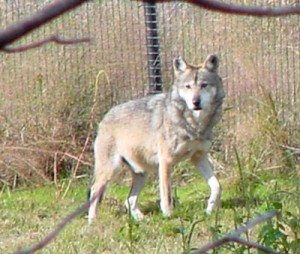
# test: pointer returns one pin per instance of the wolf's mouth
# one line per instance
(197, 108)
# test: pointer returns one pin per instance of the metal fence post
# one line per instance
(153, 50)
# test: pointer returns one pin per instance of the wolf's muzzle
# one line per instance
(197, 104)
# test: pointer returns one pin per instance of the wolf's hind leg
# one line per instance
(96, 195)
(138, 182)
(206, 169)
(104, 172)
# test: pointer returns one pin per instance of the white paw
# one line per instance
(166, 210)
(134, 212)
(212, 205)
(90, 219)
(137, 214)
(208, 210)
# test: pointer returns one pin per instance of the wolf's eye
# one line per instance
(203, 85)
(188, 86)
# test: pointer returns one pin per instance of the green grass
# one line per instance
(28, 215)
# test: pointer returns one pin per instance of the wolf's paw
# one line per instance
(208, 211)
(90, 218)
(212, 205)
(137, 214)
(166, 210)
(134, 210)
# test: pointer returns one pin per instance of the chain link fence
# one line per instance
(52, 95)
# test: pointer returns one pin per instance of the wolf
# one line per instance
(158, 131)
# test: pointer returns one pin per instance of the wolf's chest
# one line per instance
(183, 149)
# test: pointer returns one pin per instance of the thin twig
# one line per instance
(52, 38)
(33, 21)
(234, 236)
(48, 238)
(291, 148)
(55, 169)
(38, 150)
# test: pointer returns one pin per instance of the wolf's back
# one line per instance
(144, 111)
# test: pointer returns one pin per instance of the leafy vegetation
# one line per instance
(28, 215)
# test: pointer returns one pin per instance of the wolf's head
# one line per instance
(199, 86)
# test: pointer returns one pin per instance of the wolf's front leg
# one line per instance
(138, 182)
(166, 203)
(206, 169)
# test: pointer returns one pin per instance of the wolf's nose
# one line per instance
(196, 102)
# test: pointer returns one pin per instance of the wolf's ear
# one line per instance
(179, 65)
(211, 63)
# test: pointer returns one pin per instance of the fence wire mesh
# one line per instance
(47, 94)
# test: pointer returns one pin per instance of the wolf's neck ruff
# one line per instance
(210, 119)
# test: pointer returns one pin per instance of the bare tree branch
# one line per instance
(48, 238)
(234, 236)
(55, 9)
(230, 8)
(48, 13)
(227, 239)
(252, 245)
(52, 38)
(247, 10)
(252, 223)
